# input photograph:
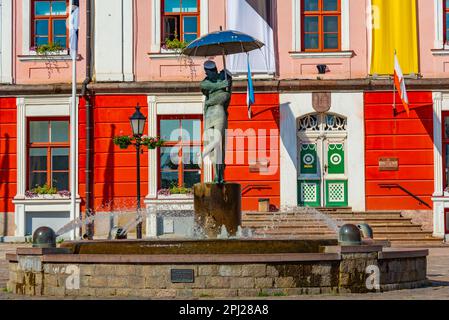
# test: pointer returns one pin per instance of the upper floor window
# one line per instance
(446, 21)
(49, 23)
(321, 25)
(180, 20)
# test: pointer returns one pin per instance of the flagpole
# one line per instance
(73, 148)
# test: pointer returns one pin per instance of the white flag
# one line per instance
(74, 26)
(256, 18)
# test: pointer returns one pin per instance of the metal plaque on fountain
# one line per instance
(182, 276)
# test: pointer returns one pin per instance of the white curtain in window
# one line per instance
(256, 18)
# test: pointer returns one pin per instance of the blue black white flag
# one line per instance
(250, 97)
(74, 27)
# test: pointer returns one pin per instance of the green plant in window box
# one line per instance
(177, 190)
(175, 44)
(45, 49)
(45, 189)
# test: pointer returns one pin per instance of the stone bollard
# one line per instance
(217, 205)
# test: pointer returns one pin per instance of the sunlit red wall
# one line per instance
(115, 169)
(8, 147)
(266, 117)
(410, 139)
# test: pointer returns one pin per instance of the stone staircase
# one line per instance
(391, 226)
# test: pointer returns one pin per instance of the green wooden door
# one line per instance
(309, 183)
(336, 183)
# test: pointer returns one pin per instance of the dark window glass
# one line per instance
(310, 5)
(42, 8)
(330, 5)
(60, 159)
(59, 131)
(39, 131)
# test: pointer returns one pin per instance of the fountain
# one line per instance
(217, 258)
(219, 265)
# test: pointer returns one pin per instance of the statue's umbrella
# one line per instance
(222, 43)
(225, 43)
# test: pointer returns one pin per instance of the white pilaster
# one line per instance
(345, 29)
(152, 154)
(439, 24)
(21, 148)
(437, 144)
(26, 27)
(439, 202)
(6, 41)
(296, 25)
(128, 41)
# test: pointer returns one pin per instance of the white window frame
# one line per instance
(6, 41)
(156, 23)
(170, 105)
(297, 36)
(439, 24)
(44, 106)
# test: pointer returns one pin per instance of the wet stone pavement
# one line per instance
(437, 270)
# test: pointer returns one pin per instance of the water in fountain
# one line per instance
(122, 213)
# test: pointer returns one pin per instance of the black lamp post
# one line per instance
(137, 121)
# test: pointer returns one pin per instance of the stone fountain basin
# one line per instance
(191, 247)
(212, 268)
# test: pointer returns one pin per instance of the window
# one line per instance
(446, 21)
(48, 153)
(321, 25)
(180, 20)
(446, 150)
(178, 158)
(49, 23)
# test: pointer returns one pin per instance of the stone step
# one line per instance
(284, 225)
(389, 229)
(418, 242)
(404, 236)
(293, 231)
(373, 220)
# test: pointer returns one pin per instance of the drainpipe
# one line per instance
(86, 94)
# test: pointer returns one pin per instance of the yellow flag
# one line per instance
(394, 28)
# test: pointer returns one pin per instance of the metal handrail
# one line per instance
(397, 186)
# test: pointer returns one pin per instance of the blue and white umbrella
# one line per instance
(223, 43)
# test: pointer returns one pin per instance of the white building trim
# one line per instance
(440, 197)
(156, 23)
(114, 60)
(296, 25)
(44, 106)
(169, 105)
(349, 105)
(439, 24)
(6, 41)
(26, 27)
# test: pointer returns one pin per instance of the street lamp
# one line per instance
(137, 121)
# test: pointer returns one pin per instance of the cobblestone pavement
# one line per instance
(437, 270)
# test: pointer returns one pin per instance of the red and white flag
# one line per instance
(399, 82)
